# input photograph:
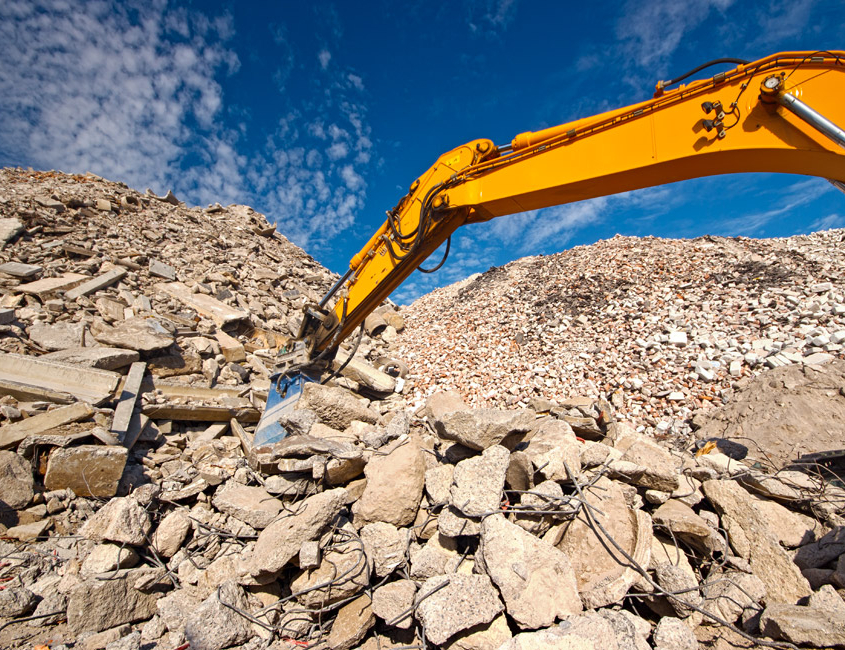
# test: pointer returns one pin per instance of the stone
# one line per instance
(520, 474)
(251, 504)
(674, 634)
(680, 520)
(88, 470)
(309, 555)
(552, 449)
(393, 603)
(174, 607)
(141, 334)
(48, 287)
(819, 553)
(478, 482)
(482, 428)
(792, 529)
(447, 605)
(14, 433)
(230, 347)
(730, 594)
(395, 484)
(279, 543)
(659, 471)
(438, 481)
(589, 631)
(16, 601)
(131, 641)
(437, 556)
(453, 523)
(213, 625)
(352, 623)
(96, 605)
(336, 407)
(171, 532)
(104, 558)
(103, 358)
(162, 270)
(603, 576)
(9, 229)
(385, 546)
(752, 539)
(221, 313)
(16, 482)
(371, 380)
(678, 339)
(122, 520)
(19, 270)
(29, 532)
(535, 579)
(35, 375)
(56, 336)
(483, 637)
(803, 625)
(95, 284)
(343, 572)
(674, 579)
(443, 402)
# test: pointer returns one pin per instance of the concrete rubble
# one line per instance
(524, 507)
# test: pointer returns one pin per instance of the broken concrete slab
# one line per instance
(57, 336)
(450, 604)
(251, 504)
(751, 538)
(232, 349)
(49, 287)
(12, 434)
(162, 270)
(478, 482)
(385, 546)
(121, 520)
(19, 270)
(343, 572)
(679, 519)
(141, 334)
(88, 470)
(102, 358)
(16, 483)
(812, 626)
(95, 284)
(9, 229)
(95, 605)
(86, 384)
(221, 313)
(215, 625)
(280, 541)
(127, 399)
(364, 374)
(553, 447)
(352, 623)
(395, 483)
(104, 558)
(336, 407)
(171, 532)
(536, 579)
(393, 603)
(482, 428)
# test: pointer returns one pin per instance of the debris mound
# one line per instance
(136, 340)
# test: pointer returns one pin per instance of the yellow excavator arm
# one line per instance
(778, 114)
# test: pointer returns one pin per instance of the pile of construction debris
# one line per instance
(137, 339)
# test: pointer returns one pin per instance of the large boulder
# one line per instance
(450, 604)
(482, 428)
(336, 407)
(395, 482)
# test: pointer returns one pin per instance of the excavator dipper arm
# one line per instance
(744, 120)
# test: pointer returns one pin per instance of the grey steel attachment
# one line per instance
(812, 117)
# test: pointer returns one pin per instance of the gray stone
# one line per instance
(674, 634)
(804, 625)
(171, 532)
(141, 334)
(16, 482)
(162, 270)
(213, 625)
(438, 481)
(826, 549)
(450, 604)
(393, 603)
(9, 229)
(395, 484)
(658, 471)
(680, 520)
(16, 601)
(520, 475)
(535, 579)
(18, 270)
(103, 358)
(478, 482)
(336, 407)
(88, 470)
(443, 402)
(482, 428)
(750, 536)
(122, 520)
(131, 641)
(280, 541)
(674, 579)
(453, 523)
(589, 631)
(56, 336)
(95, 605)
(251, 504)
(385, 546)
(173, 608)
(438, 556)
(343, 572)
(552, 449)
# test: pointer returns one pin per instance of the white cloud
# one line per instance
(828, 222)
(324, 57)
(651, 30)
(137, 97)
(490, 17)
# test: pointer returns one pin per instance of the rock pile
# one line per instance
(138, 513)
(663, 327)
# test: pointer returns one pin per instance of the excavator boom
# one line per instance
(777, 114)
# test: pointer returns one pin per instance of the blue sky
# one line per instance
(321, 114)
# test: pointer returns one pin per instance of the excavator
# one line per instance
(776, 114)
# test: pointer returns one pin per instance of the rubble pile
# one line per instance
(664, 327)
(137, 512)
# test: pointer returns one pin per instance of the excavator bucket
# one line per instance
(285, 391)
